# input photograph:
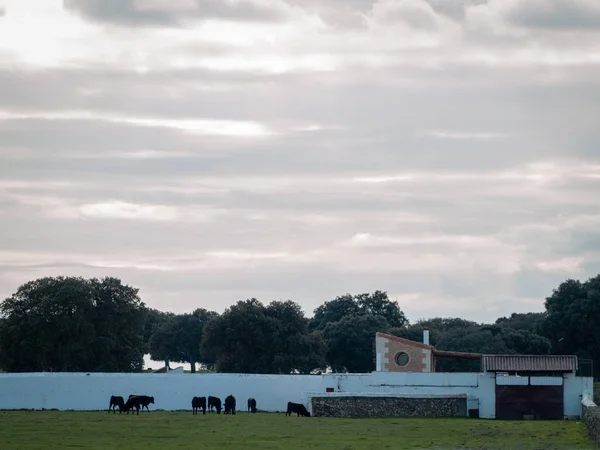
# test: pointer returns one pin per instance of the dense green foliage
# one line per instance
(349, 324)
(571, 323)
(179, 338)
(25, 430)
(375, 304)
(351, 343)
(154, 320)
(250, 337)
(73, 324)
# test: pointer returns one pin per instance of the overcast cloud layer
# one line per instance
(208, 151)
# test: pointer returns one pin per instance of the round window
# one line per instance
(402, 359)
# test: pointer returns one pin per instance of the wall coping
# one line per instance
(383, 395)
(588, 402)
(157, 375)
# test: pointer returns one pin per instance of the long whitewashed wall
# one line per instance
(82, 391)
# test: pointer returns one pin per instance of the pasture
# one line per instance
(181, 430)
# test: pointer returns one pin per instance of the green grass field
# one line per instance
(180, 430)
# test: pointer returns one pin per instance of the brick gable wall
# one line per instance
(420, 356)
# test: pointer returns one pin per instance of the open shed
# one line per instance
(529, 386)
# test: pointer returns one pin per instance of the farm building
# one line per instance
(396, 354)
(523, 385)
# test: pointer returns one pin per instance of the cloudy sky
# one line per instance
(208, 151)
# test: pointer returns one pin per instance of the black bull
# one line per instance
(197, 404)
(115, 401)
(138, 402)
(214, 402)
(298, 409)
(230, 405)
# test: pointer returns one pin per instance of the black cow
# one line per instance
(131, 403)
(214, 402)
(197, 404)
(230, 405)
(251, 405)
(297, 408)
(144, 400)
(115, 401)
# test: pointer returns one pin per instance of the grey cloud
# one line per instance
(364, 148)
(119, 11)
(183, 290)
(51, 146)
(376, 126)
(347, 14)
(132, 12)
(535, 284)
(416, 13)
(495, 95)
(453, 8)
(437, 295)
(557, 14)
(351, 13)
(585, 243)
(591, 267)
(409, 11)
(383, 196)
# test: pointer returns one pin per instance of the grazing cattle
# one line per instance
(230, 405)
(115, 401)
(251, 405)
(197, 404)
(297, 408)
(131, 403)
(144, 401)
(214, 402)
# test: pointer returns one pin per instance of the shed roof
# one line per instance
(458, 355)
(528, 363)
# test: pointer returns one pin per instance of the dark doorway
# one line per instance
(543, 402)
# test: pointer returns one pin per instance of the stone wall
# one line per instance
(591, 418)
(389, 405)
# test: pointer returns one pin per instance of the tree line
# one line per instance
(72, 324)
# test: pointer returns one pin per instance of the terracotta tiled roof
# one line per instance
(528, 363)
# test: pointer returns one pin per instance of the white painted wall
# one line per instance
(487, 399)
(381, 351)
(506, 380)
(576, 389)
(81, 391)
(438, 379)
(171, 392)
